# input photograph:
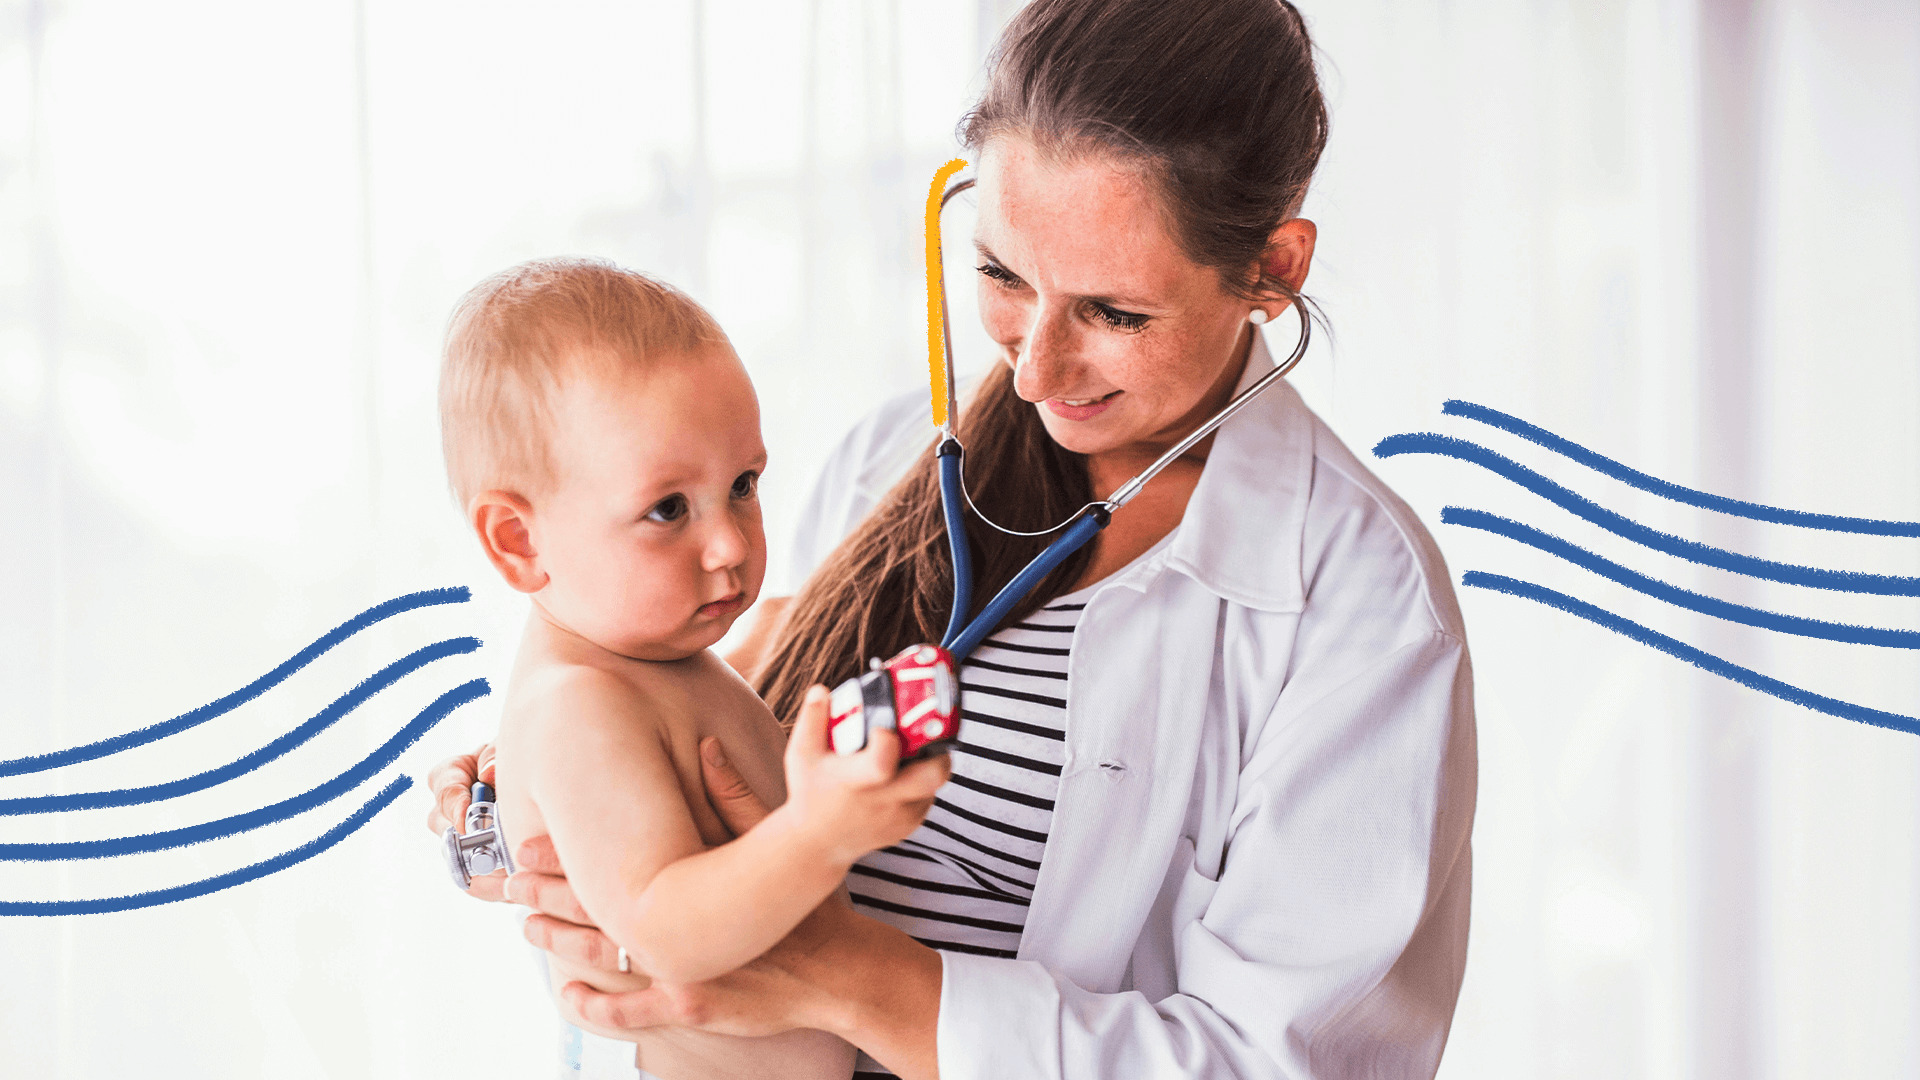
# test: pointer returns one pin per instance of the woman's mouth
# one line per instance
(724, 606)
(1080, 408)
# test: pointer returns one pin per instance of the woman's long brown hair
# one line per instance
(1218, 101)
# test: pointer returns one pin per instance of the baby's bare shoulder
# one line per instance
(704, 690)
(581, 698)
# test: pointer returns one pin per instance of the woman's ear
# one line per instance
(499, 519)
(1289, 253)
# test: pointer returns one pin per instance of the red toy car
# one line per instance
(917, 694)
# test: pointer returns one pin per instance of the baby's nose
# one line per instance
(726, 546)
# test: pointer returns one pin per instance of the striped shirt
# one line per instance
(963, 880)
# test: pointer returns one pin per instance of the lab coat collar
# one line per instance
(1241, 535)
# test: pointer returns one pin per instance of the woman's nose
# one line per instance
(1044, 360)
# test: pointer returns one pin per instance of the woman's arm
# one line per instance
(839, 971)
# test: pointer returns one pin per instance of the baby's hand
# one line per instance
(850, 804)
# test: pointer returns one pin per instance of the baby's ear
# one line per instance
(499, 519)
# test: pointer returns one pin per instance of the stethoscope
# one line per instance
(962, 634)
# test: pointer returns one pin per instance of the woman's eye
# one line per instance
(999, 275)
(1117, 319)
(668, 510)
(746, 485)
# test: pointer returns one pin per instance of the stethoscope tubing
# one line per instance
(952, 506)
(1024, 582)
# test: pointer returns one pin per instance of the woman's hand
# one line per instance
(451, 782)
(778, 991)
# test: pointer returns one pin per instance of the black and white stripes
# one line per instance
(963, 880)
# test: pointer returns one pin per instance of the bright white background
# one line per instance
(1686, 234)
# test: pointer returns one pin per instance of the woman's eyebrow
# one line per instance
(1122, 303)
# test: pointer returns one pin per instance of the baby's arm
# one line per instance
(606, 785)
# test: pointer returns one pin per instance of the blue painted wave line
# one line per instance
(1513, 425)
(1704, 660)
(1690, 550)
(324, 793)
(54, 759)
(341, 706)
(1673, 594)
(217, 882)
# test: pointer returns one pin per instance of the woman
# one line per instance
(1213, 815)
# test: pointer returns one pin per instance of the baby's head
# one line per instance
(604, 442)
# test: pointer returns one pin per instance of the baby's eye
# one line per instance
(746, 485)
(668, 510)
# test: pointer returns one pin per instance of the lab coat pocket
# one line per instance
(1183, 899)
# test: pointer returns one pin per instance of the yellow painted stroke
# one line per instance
(937, 373)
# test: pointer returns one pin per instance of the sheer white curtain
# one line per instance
(1686, 235)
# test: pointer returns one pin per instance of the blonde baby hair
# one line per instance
(516, 337)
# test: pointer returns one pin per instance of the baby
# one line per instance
(604, 441)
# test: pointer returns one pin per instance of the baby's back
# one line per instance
(673, 705)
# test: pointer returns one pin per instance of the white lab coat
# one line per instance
(1259, 862)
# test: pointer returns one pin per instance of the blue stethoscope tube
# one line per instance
(1092, 521)
(951, 503)
(963, 635)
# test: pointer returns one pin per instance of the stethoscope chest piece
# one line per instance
(481, 848)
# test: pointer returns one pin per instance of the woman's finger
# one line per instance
(449, 808)
(548, 895)
(454, 769)
(633, 1011)
(539, 856)
(739, 808)
(451, 781)
(488, 887)
(572, 942)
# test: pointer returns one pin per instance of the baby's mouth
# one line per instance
(726, 605)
